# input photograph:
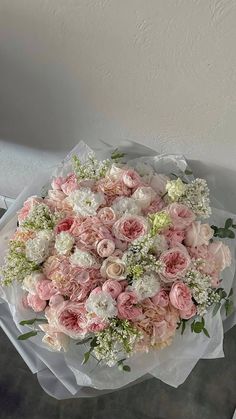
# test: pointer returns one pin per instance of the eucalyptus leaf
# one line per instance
(230, 234)
(222, 233)
(27, 335)
(228, 223)
(198, 327)
(183, 327)
(94, 343)
(205, 331)
(82, 342)
(216, 308)
(86, 357)
(229, 305)
(32, 321)
(126, 368)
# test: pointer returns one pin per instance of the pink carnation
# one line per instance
(113, 187)
(130, 227)
(176, 261)
(64, 225)
(36, 303)
(45, 289)
(156, 206)
(181, 215)
(126, 304)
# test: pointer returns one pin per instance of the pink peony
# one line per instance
(126, 304)
(36, 303)
(112, 287)
(45, 289)
(130, 227)
(70, 184)
(131, 179)
(107, 216)
(181, 297)
(161, 299)
(176, 261)
(68, 317)
(96, 325)
(64, 225)
(174, 236)
(105, 248)
(188, 313)
(181, 215)
(198, 234)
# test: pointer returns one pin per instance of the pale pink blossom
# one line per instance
(188, 313)
(45, 289)
(221, 254)
(180, 296)
(181, 215)
(174, 236)
(36, 303)
(113, 187)
(70, 184)
(176, 261)
(107, 216)
(131, 179)
(88, 232)
(112, 287)
(130, 227)
(127, 306)
(161, 298)
(64, 224)
(198, 234)
(105, 248)
(57, 182)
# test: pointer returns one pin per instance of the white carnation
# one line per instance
(146, 287)
(38, 248)
(64, 243)
(85, 202)
(83, 259)
(102, 304)
(175, 189)
(123, 206)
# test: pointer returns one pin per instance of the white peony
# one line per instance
(143, 196)
(85, 202)
(123, 206)
(146, 287)
(38, 248)
(64, 243)
(83, 259)
(102, 304)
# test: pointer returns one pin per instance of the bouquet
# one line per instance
(114, 260)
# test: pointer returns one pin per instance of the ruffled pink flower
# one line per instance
(181, 215)
(36, 303)
(131, 179)
(114, 288)
(181, 297)
(126, 304)
(45, 289)
(174, 236)
(113, 187)
(130, 227)
(105, 248)
(176, 261)
(56, 201)
(188, 313)
(161, 299)
(88, 232)
(55, 300)
(57, 182)
(27, 207)
(70, 184)
(64, 225)
(96, 325)
(156, 206)
(107, 216)
(68, 317)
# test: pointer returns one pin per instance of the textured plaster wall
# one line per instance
(161, 72)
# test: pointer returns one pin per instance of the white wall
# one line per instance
(161, 72)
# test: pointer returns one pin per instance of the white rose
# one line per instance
(30, 281)
(113, 268)
(146, 287)
(158, 183)
(221, 253)
(64, 243)
(83, 259)
(143, 196)
(198, 234)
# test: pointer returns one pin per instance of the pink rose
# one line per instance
(64, 225)
(176, 261)
(158, 183)
(221, 254)
(68, 317)
(57, 182)
(105, 248)
(131, 179)
(112, 287)
(174, 236)
(36, 303)
(143, 196)
(107, 216)
(45, 289)
(181, 215)
(198, 234)
(70, 184)
(161, 299)
(126, 304)
(113, 268)
(155, 206)
(56, 201)
(96, 325)
(130, 227)
(113, 187)
(188, 313)
(28, 205)
(55, 300)
(180, 296)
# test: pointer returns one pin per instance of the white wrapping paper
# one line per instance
(172, 365)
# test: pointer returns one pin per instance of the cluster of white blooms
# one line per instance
(116, 341)
(85, 202)
(38, 248)
(64, 243)
(200, 285)
(196, 197)
(102, 304)
(146, 286)
(83, 259)
(125, 205)
(175, 189)
(91, 169)
(40, 218)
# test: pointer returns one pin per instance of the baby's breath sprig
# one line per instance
(40, 218)
(91, 169)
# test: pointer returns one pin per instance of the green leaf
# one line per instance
(205, 331)
(214, 228)
(234, 226)
(82, 342)
(94, 343)
(116, 154)
(121, 361)
(222, 233)
(229, 305)
(126, 368)
(231, 292)
(188, 172)
(192, 326)
(203, 322)
(32, 321)
(198, 327)
(183, 326)
(230, 234)
(27, 335)
(216, 309)
(86, 357)
(228, 223)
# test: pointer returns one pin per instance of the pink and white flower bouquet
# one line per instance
(117, 266)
